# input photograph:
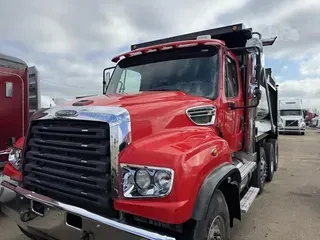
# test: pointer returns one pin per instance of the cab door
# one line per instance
(233, 95)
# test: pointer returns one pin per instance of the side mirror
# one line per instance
(106, 78)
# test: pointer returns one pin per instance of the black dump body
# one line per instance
(234, 36)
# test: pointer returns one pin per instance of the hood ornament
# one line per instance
(66, 113)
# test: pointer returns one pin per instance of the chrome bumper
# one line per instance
(291, 129)
(6, 195)
(52, 221)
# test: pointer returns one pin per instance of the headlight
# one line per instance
(15, 158)
(162, 180)
(145, 181)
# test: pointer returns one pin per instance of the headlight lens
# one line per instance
(15, 158)
(162, 180)
(145, 181)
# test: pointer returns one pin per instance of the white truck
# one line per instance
(291, 117)
(315, 122)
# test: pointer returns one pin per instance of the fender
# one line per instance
(188, 151)
(210, 184)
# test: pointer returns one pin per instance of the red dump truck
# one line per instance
(178, 146)
(14, 104)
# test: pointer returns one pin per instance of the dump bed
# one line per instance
(234, 36)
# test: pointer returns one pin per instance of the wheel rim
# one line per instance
(216, 231)
(263, 172)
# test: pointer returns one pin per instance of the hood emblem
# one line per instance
(66, 113)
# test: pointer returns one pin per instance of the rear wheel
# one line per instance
(259, 175)
(216, 225)
(276, 152)
(270, 159)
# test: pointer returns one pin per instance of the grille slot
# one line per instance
(202, 115)
(69, 161)
(292, 123)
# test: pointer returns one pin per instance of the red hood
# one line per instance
(151, 112)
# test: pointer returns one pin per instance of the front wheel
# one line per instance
(216, 225)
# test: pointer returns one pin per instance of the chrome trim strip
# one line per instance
(4, 153)
(84, 213)
(119, 122)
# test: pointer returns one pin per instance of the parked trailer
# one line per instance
(291, 117)
(179, 145)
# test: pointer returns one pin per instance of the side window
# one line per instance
(231, 79)
(130, 81)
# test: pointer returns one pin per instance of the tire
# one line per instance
(29, 235)
(270, 155)
(259, 174)
(216, 222)
(303, 133)
(276, 153)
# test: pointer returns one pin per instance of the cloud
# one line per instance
(71, 42)
(284, 68)
(311, 66)
(308, 89)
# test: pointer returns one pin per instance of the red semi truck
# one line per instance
(14, 104)
(178, 146)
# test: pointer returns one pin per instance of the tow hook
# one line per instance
(27, 215)
(86, 235)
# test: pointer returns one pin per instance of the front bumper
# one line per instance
(291, 129)
(57, 220)
(6, 195)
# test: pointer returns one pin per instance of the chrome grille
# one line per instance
(292, 123)
(69, 161)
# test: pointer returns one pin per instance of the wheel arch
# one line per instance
(227, 179)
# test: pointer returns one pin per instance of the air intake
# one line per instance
(202, 115)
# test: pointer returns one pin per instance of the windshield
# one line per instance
(291, 113)
(193, 70)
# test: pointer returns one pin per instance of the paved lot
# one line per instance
(289, 208)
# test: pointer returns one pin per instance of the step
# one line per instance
(248, 199)
(246, 168)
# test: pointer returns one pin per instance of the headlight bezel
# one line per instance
(131, 190)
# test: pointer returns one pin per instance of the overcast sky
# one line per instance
(71, 41)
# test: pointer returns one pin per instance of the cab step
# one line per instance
(246, 168)
(248, 199)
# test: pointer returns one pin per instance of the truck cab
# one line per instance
(291, 116)
(179, 145)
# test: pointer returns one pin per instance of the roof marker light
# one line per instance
(204, 37)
